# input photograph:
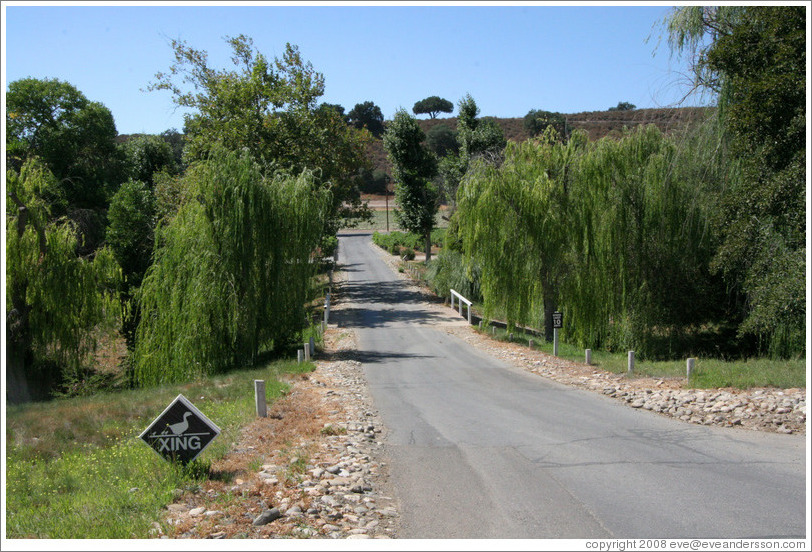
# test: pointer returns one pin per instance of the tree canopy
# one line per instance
(72, 135)
(268, 107)
(413, 167)
(754, 58)
(433, 105)
(367, 115)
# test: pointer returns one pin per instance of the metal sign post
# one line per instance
(181, 432)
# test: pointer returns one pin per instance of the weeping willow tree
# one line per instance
(642, 244)
(232, 270)
(512, 220)
(616, 234)
(57, 303)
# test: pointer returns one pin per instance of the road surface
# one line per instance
(481, 449)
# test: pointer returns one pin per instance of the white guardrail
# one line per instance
(460, 301)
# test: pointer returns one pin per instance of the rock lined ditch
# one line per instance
(322, 479)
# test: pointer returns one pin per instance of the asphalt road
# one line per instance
(481, 449)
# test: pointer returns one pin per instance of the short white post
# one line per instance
(307, 351)
(588, 354)
(452, 300)
(555, 341)
(493, 330)
(689, 368)
(259, 398)
(300, 356)
(469, 314)
(312, 347)
(631, 362)
(459, 304)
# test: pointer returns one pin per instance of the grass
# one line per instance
(378, 221)
(708, 373)
(75, 468)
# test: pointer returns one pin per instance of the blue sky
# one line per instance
(510, 58)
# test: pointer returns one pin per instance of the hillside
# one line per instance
(597, 123)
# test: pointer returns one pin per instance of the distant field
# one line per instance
(380, 216)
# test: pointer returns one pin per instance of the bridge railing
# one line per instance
(460, 301)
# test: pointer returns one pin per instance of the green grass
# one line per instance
(708, 373)
(75, 468)
(379, 221)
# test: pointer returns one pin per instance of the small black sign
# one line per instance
(558, 320)
(181, 432)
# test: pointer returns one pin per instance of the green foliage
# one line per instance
(623, 106)
(268, 107)
(615, 234)
(477, 138)
(56, 301)
(367, 115)
(146, 154)
(131, 238)
(394, 241)
(338, 109)
(130, 234)
(373, 182)
(451, 271)
(413, 167)
(432, 106)
(442, 140)
(231, 270)
(754, 57)
(537, 120)
(74, 138)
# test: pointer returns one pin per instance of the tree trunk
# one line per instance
(428, 246)
(549, 308)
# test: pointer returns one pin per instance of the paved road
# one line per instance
(480, 449)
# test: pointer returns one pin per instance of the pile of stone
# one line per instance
(344, 479)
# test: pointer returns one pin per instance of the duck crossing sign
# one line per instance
(181, 432)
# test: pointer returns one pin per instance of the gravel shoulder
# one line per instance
(314, 468)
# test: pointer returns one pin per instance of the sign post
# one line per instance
(558, 323)
(181, 432)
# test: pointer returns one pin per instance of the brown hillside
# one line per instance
(597, 123)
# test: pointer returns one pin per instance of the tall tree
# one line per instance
(367, 115)
(57, 300)
(433, 105)
(413, 167)
(232, 270)
(268, 107)
(754, 57)
(147, 154)
(73, 136)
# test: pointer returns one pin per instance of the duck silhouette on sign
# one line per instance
(180, 427)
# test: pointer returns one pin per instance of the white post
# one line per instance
(300, 356)
(312, 347)
(555, 341)
(493, 330)
(469, 314)
(307, 351)
(259, 398)
(689, 368)
(588, 353)
(631, 362)
(452, 300)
